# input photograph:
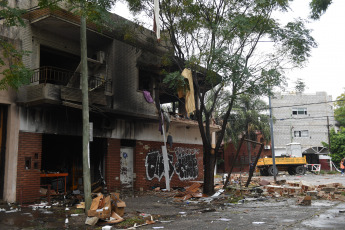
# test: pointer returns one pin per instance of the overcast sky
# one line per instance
(325, 69)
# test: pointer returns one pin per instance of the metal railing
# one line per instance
(58, 76)
(54, 75)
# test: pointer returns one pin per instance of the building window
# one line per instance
(27, 162)
(145, 81)
(302, 133)
(299, 111)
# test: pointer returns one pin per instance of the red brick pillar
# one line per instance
(112, 165)
(29, 167)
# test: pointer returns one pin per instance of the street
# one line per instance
(250, 213)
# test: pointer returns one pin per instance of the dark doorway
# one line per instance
(63, 154)
(3, 132)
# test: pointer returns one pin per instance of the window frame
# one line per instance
(299, 111)
(301, 133)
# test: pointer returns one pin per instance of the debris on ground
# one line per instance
(304, 201)
(107, 208)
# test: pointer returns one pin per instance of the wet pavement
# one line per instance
(271, 213)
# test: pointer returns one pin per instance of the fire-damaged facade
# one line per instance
(43, 139)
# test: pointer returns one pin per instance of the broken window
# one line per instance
(145, 81)
(299, 111)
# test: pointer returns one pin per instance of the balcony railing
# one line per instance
(58, 76)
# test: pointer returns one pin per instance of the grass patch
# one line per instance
(235, 199)
(322, 172)
(77, 211)
(332, 172)
(131, 221)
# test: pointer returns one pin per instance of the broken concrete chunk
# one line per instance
(92, 221)
(304, 201)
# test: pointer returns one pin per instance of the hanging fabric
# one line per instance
(190, 103)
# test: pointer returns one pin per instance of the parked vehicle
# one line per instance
(292, 162)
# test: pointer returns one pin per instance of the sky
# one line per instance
(325, 68)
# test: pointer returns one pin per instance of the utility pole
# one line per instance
(272, 141)
(85, 112)
(329, 141)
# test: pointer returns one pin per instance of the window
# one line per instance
(302, 133)
(27, 162)
(145, 81)
(299, 111)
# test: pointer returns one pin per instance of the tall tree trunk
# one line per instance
(86, 125)
(209, 163)
(249, 150)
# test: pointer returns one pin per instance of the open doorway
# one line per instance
(62, 154)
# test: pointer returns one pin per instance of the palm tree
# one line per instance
(248, 117)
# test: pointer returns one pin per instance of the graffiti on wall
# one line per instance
(155, 165)
(186, 166)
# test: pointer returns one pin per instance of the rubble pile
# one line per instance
(107, 208)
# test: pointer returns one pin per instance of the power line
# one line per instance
(304, 118)
(296, 105)
(313, 103)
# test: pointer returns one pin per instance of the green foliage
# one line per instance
(300, 85)
(247, 117)
(339, 111)
(318, 7)
(337, 145)
(176, 81)
(130, 222)
(15, 74)
(10, 16)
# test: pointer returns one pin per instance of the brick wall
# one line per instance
(112, 165)
(141, 151)
(29, 165)
(143, 148)
(243, 158)
(324, 164)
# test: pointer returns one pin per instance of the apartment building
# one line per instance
(305, 119)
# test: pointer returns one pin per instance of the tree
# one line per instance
(14, 73)
(300, 85)
(224, 44)
(337, 140)
(339, 111)
(318, 7)
(247, 117)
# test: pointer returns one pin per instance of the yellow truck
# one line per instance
(294, 165)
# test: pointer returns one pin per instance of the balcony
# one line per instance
(51, 85)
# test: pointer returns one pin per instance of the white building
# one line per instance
(304, 119)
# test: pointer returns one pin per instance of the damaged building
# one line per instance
(41, 124)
